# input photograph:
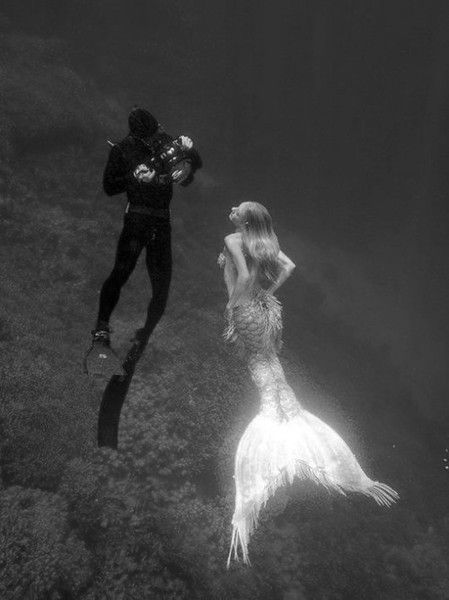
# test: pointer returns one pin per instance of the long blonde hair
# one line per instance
(260, 243)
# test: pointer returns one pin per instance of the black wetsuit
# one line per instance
(146, 224)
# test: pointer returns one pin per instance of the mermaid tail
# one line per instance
(283, 441)
(271, 453)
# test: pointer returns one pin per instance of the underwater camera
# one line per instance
(170, 157)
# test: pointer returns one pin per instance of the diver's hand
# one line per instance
(147, 176)
(186, 142)
(177, 176)
(221, 260)
(180, 175)
(144, 174)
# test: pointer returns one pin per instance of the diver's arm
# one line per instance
(287, 268)
(115, 177)
(234, 246)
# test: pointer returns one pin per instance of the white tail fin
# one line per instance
(272, 453)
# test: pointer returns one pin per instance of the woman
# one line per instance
(283, 440)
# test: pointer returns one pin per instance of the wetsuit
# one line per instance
(146, 220)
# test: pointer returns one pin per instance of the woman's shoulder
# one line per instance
(233, 239)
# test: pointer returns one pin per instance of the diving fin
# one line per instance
(102, 361)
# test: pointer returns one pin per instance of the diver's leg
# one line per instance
(159, 266)
(129, 247)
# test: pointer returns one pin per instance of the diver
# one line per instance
(145, 165)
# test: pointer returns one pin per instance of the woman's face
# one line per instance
(236, 215)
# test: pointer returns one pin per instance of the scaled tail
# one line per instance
(273, 452)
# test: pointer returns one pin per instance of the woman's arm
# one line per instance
(287, 268)
(234, 245)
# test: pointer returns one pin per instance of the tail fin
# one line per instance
(272, 453)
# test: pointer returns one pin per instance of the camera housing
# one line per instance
(170, 157)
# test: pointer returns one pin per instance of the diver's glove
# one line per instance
(144, 174)
(185, 142)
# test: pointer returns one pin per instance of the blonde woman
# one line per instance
(284, 440)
